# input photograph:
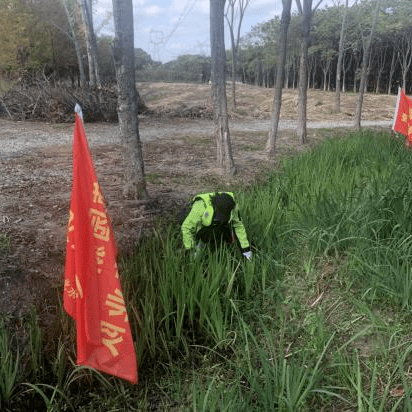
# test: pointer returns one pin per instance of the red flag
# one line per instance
(92, 293)
(403, 116)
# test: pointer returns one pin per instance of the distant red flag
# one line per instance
(92, 293)
(402, 122)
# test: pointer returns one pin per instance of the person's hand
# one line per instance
(247, 255)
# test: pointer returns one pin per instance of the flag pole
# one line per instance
(396, 108)
(78, 110)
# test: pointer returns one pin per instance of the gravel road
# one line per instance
(19, 138)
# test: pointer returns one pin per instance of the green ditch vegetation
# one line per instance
(319, 319)
(4, 244)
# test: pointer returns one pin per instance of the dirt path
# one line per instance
(19, 138)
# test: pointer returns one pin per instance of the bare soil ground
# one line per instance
(179, 154)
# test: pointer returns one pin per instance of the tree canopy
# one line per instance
(392, 39)
(36, 37)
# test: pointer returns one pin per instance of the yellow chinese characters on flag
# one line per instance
(92, 293)
(403, 116)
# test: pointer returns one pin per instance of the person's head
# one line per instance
(223, 204)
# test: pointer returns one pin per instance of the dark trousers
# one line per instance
(216, 234)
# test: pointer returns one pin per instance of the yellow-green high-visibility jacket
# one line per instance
(201, 215)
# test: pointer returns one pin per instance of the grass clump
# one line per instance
(9, 366)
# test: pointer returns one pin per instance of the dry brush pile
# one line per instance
(40, 100)
(43, 101)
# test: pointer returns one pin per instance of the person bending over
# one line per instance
(214, 218)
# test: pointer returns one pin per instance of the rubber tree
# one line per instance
(234, 14)
(134, 184)
(69, 8)
(365, 63)
(280, 78)
(404, 50)
(305, 10)
(340, 55)
(218, 53)
(94, 74)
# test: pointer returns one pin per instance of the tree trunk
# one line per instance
(340, 58)
(69, 9)
(94, 75)
(329, 79)
(233, 81)
(356, 68)
(365, 64)
(280, 78)
(381, 59)
(405, 55)
(230, 17)
(134, 184)
(303, 70)
(217, 45)
(391, 71)
(314, 74)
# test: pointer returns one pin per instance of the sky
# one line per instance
(167, 29)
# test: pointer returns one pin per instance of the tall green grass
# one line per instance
(9, 366)
(351, 197)
(319, 319)
(180, 300)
